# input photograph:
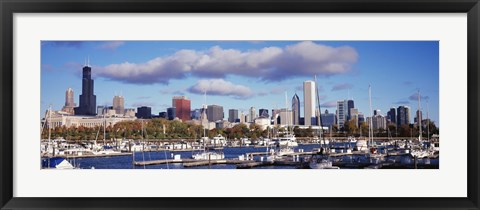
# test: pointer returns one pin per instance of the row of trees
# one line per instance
(159, 128)
(411, 130)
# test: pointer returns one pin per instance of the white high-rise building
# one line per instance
(342, 113)
(309, 101)
(253, 113)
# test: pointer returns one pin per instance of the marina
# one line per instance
(342, 154)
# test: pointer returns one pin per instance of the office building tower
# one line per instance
(252, 114)
(130, 112)
(391, 116)
(214, 113)
(162, 115)
(379, 122)
(309, 100)
(196, 114)
(119, 105)
(263, 113)
(328, 119)
(350, 105)
(361, 119)
(182, 107)
(144, 112)
(403, 115)
(296, 109)
(171, 113)
(232, 115)
(342, 113)
(285, 117)
(88, 101)
(418, 116)
(101, 110)
(242, 117)
(354, 115)
(69, 102)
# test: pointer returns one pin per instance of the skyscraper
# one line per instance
(253, 114)
(309, 101)
(296, 109)
(418, 116)
(69, 102)
(119, 105)
(403, 115)
(350, 105)
(144, 112)
(171, 113)
(88, 101)
(328, 120)
(214, 113)
(182, 107)
(342, 113)
(263, 113)
(232, 115)
(391, 115)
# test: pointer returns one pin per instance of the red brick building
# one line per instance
(182, 107)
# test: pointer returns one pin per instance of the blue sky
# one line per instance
(242, 74)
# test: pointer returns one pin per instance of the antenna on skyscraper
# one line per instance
(88, 61)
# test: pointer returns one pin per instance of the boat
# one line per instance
(288, 140)
(56, 163)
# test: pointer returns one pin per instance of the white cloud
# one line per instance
(267, 64)
(222, 88)
(329, 104)
(342, 86)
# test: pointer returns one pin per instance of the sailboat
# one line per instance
(105, 149)
(321, 160)
(418, 151)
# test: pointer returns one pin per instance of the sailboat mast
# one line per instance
(428, 124)
(370, 126)
(319, 120)
(419, 118)
(104, 125)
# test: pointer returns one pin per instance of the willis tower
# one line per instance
(87, 99)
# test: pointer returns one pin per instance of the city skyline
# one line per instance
(240, 75)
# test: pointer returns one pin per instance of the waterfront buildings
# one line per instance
(403, 115)
(59, 119)
(69, 102)
(296, 109)
(232, 115)
(119, 105)
(309, 98)
(214, 113)
(182, 107)
(88, 101)
(144, 112)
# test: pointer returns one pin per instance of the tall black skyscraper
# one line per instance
(392, 116)
(296, 109)
(350, 105)
(88, 101)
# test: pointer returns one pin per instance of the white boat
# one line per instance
(219, 140)
(208, 156)
(56, 163)
(288, 140)
(321, 163)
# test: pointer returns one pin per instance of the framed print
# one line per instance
(239, 105)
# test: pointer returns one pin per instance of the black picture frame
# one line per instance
(10, 7)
